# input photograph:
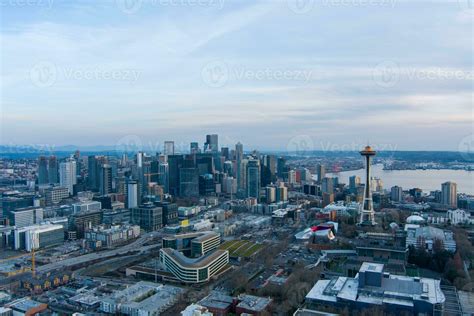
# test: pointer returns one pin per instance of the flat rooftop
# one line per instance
(217, 300)
(193, 262)
(371, 267)
(253, 303)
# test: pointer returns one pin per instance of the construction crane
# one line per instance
(33, 267)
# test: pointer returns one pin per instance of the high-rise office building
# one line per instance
(239, 156)
(321, 172)
(225, 153)
(449, 194)
(367, 214)
(396, 194)
(282, 169)
(270, 194)
(327, 185)
(211, 144)
(281, 193)
(67, 175)
(140, 157)
(93, 171)
(189, 177)
(163, 178)
(253, 178)
(43, 170)
(271, 163)
(149, 217)
(354, 182)
(168, 149)
(105, 179)
(175, 162)
(132, 194)
(53, 170)
(194, 148)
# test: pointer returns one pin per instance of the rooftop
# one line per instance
(24, 304)
(253, 303)
(217, 300)
(193, 262)
(371, 267)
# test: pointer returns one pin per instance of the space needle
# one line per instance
(367, 215)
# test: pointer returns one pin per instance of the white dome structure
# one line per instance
(415, 219)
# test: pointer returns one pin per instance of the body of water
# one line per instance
(427, 180)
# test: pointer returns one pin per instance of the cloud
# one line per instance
(168, 47)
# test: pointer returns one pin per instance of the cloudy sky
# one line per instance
(325, 74)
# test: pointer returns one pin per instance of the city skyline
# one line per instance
(261, 73)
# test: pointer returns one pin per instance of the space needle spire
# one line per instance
(367, 214)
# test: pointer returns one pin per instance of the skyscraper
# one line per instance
(321, 171)
(449, 194)
(105, 179)
(67, 175)
(367, 214)
(239, 155)
(53, 170)
(42, 170)
(132, 194)
(93, 171)
(194, 148)
(168, 149)
(253, 178)
(175, 162)
(163, 177)
(354, 182)
(282, 169)
(212, 144)
(189, 178)
(396, 194)
(327, 185)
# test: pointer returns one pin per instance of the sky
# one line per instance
(273, 74)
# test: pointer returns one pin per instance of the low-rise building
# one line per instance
(26, 306)
(218, 303)
(196, 310)
(458, 216)
(38, 236)
(253, 305)
(372, 287)
(102, 236)
(142, 298)
(193, 270)
(426, 237)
